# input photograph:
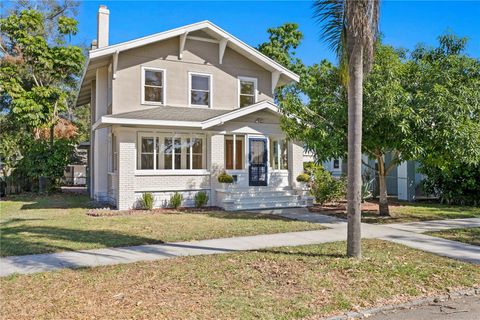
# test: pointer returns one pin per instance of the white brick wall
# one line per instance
(126, 169)
(217, 161)
(295, 162)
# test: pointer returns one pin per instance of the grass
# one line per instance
(402, 212)
(31, 225)
(280, 283)
(466, 235)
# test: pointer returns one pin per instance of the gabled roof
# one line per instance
(182, 116)
(101, 56)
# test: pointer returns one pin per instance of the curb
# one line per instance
(363, 314)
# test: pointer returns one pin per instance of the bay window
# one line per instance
(234, 152)
(278, 154)
(168, 151)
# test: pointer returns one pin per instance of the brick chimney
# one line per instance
(102, 26)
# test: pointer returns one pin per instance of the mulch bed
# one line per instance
(109, 212)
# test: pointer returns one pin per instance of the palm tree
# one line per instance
(351, 27)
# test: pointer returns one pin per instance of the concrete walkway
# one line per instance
(337, 232)
(437, 225)
(407, 234)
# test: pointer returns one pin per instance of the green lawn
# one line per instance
(412, 212)
(30, 225)
(281, 283)
(466, 235)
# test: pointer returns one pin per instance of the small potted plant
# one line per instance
(303, 179)
(225, 179)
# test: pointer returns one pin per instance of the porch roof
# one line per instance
(181, 116)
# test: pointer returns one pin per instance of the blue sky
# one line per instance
(403, 23)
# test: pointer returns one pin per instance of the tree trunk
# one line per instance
(355, 105)
(383, 200)
(52, 133)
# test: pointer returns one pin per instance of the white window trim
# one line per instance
(173, 171)
(164, 88)
(255, 91)
(210, 96)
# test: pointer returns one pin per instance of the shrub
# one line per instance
(326, 188)
(303, 177)
(225, 178)
(453, 183)
(201, 199)
(147, 201)
(176, 200)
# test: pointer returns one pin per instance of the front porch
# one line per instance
(163, 159)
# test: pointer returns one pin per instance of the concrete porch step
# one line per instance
(263, 198)
(266, 205)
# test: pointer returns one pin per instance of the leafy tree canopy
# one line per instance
(37, 76)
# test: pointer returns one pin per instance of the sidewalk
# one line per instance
(337, 232)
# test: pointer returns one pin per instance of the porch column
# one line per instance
(295, 162)
(126, 169)
(216, 152)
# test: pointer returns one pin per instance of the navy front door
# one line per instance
(258, 166)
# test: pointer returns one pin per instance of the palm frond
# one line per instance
(330, 15)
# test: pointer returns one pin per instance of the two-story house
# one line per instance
(172, 110)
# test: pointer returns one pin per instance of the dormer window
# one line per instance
(247, 88)
(200, 90)
(153, 86)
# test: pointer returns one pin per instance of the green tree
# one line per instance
(351, 28)
(322, 122)
(444, 84)
(424, 108)
(37, 76)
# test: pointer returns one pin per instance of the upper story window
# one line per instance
(247, 91)
(153, 86)
(200, 90)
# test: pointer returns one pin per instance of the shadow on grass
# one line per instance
(22, 240)
(243, 215)
(302, 253)
(53, 201)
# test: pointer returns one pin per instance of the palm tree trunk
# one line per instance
(355, 105)
(383, 200)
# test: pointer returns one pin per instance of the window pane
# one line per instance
(240, 151)
(247, 87)
(168, 153)
(200, 82)
(246, 101)
(178, 154)
(284, 155)
(147, 161)
(187, 160)
(200, 98)
(147, 145)
(197, 161)
(274, 154)
(153, 78)
(197, 145)
(229, 153)
(336, 164)
(154, 94)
